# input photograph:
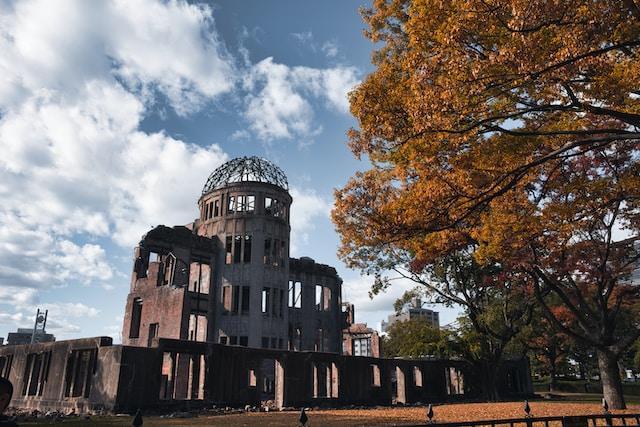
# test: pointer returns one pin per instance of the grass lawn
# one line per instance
(367, 417)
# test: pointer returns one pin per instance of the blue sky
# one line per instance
(113, 114)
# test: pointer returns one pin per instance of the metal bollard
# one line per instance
(430, 419)
(137, 419)
(303, 418)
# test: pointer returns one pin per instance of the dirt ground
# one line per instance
(364, 417)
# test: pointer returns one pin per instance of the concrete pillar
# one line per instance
(401, 386)
(335, 381)
(314, 373)
(280, 384)
(181, 390)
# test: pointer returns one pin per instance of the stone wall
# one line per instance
(92, 374)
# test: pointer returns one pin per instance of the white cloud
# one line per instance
(69, 309)
(167, 46)
(305, 38)
(279, 101)
(16, 296)
(76, 80)
(307, 208)
(330, 49)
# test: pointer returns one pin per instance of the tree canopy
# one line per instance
(512, 126)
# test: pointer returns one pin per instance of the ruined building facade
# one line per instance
(227, 277)
(218, 313)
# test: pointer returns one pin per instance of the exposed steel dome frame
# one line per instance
(246, 169)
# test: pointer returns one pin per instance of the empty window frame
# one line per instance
(267, 251)
(326, 298)
(375, 375)
(197, 327)
(318, 300)
(241, 204)
(231, 204)
(252, 379)
(36, 373)
(273, 207)
(199, 277)
(228, 249)
(154, 329)
(268, 205)
(216, 208)
(246, 298)
(251, 204)
(136, 317)
(417, 376)
(246, 252)
(233, 340)
(266, 300)
(5, 365)
(244, 341)
(265, 342)
(81, 365)
(224, 339)
(295, 338)
(226, 299)
(235, 300)
(237, 249)
(361, 347)
(274, 255)
(295, 294)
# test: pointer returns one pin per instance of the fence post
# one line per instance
(607, 414)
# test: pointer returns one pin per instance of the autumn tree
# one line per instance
(512, 126)
(414, 338)
(548, 346)
(495, 308)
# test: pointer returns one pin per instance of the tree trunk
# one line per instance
(553, 381)
(488, 373)
(611, 381)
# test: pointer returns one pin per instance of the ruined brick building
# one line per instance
(219, 314)
(227, 277)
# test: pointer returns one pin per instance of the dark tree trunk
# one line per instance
(488, 374)
(553, 381)
(611, 381)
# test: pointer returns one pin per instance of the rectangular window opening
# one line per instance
(266, 294)
(237, 249)
(251, 203)
(228, 249)
(247, 249)
(246, 294)
(231, 204)
(267, 251)
(136, 317)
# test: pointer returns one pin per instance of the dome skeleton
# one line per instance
(246, 169)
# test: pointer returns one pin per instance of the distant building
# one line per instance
(357, 338)
(23, 336)
(413, 311)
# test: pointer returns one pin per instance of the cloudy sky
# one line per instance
(113, 114)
